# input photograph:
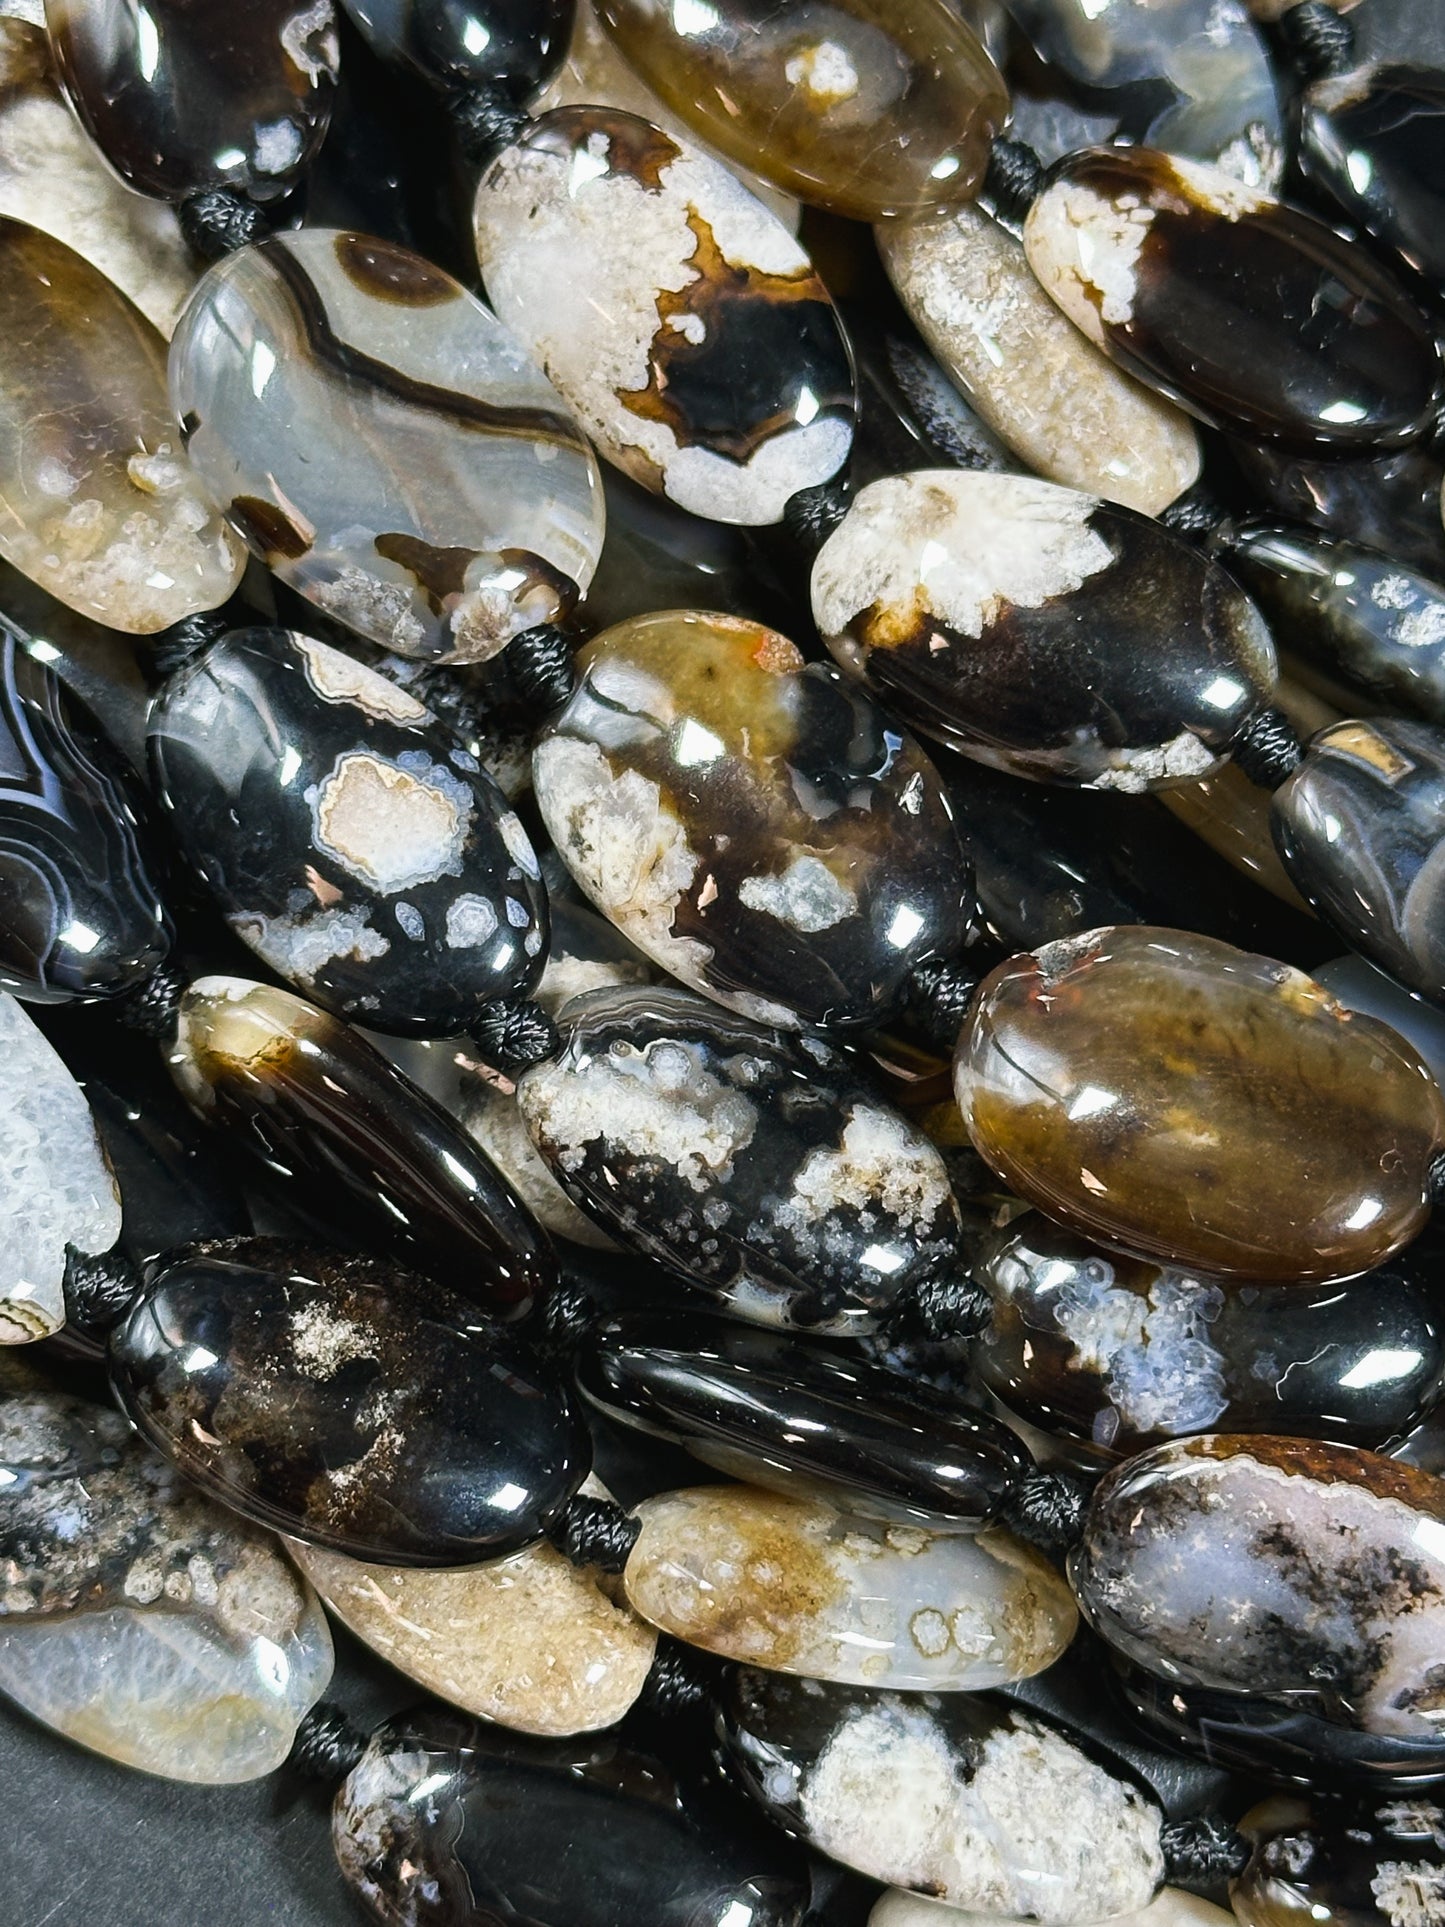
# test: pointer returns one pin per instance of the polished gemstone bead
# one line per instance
(80, 912)
(1190, 76)
(861, 106)
(360, 1146)
(755, 826)
(1353, 616)
(52, 177)
(326, 1396)
(1326, 1863)
(180, 98)
(138, 1618)
(1361, 828)
(1057, 402)
(97, 502)
(797, 1587)
(1389, 501)
(1253, 315)
(761, 1166)
(531, 1641)
(700, 350)
(1006, 615)
(1210, 1560)
(56, 1188)
(1359, 986)
(1170, 1907)
(351, 840)
(445, 1823)
(1175, 1097)
(961, 1797)
(802, 1420)
(384, 445)
(1370, 140)
(1116, 1353)
(469, 43)
(1273, 1739)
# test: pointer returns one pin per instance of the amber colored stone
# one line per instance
(98, 503)
(866, 107)
(1171, 1095)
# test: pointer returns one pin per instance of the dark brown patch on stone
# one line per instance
(393, 274)
(440, 573)
(634, 146)
(268, 528)
(1328, 1464)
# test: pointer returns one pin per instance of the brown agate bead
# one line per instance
(1168, 1094)
(867, 107)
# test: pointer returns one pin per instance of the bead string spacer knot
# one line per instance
(1318, 40)
(539, 663)
(1268, 749)
(680, 1679)
(219, 220)
(327, 1744)
(1013, 180)
(936, 1000)
(1047, 1508)
(1202, 1850)
(99, 1289)
(151, 1008)
(512, 1035)
(487, 121)
(594, 1532)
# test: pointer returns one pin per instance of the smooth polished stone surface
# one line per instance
(797, 1587)
(356, 1141)
(98, 504)
(675, 313)
(757, 827)
(1231, 815)
(1278, 1740)
(52, 177)
(349, 838)
(1279, 1567)
(384, 445)
(1360, 827)
(800, 1419)
(346, 1402)
(56, 1188)
(1170, 1907)
(1190, 76)
(1389, 502)
(761, 1166)
(1361, 987)
(1058, 403)
(1252, 315)
(961, 1797)
(139, 1618)
(1042, 630)
(180, 98)
(1371, 1863)
(1171, 1095)
(1370, 140)
(444, 1822)
(469, 43)
(532, 1641)
(1119, 1353)
(1356, 615)
(80, 910)
(866, 107)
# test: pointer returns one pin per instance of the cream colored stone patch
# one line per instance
(882, 1169)
(1182, 759)
(1085, 251)
(824, 71)
(382, 611)
(339, 678)
(807, 896)
(1220, 191)
(391, 827)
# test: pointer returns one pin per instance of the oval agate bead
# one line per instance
(320, 1394)
(384, 445)
(139, 1618)
(1170, 1907)
(760, 1166)
(679, 318)
(1047, 392)
(1170, 1095)
(180, 98)
(363, 1149)
(1116, 1353)
(56, 1187)
(1360, 826)
(793, 1585)
(1211, 1561)
(801, 1420)
(80, 914)
(469, 43)
(1021, 623)
(755, 826)
(964, 1797)
(1370, 140)
(867, 107)
(98, 504)
(449, 1822)
(351, 840)
(1253, 315)
(1323, 1863)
